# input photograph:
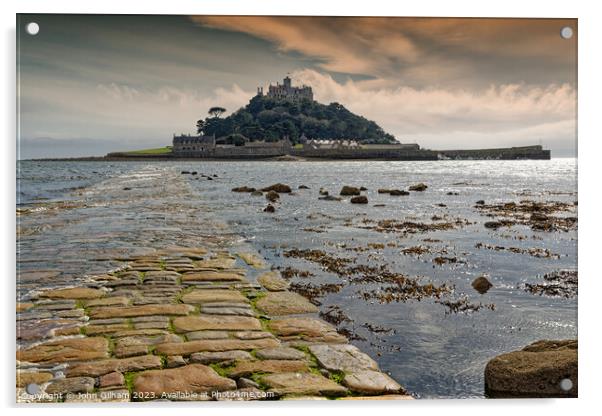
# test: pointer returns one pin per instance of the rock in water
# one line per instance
(418, 187)
(349, 190)
(272, 196)
(323, 191)
(398, 192)
(481, 284)
(278, 187)
(359, 200)
(542, 369)
(303, 187)
(270, 208)
(243, 189)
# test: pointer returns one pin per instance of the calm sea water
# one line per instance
(430, 351)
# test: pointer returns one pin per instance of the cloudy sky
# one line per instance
(93, 84)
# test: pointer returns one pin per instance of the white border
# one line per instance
(589, 155)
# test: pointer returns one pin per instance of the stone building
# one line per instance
(187, 145)
(286, 91)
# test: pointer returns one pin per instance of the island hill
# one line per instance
(288, 122)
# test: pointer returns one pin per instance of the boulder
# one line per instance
(272, 196)
(359, 200)
(481, 284)
(323, 191)
(278, 187)
(269, 208)
(384, 191)
(418, 187)
(542, 369)
(349, 190)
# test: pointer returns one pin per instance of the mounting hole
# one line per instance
(566, 384)
(32, 28)
(566, 32)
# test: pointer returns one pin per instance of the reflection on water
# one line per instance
(432, 352)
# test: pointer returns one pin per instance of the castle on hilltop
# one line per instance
(286, 91)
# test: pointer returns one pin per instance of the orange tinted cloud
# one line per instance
(418, 50)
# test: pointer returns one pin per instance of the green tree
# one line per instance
(216, 111)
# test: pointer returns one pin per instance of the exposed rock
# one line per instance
(418, 187)
(305, 329)
(224, 357)
(252, 260)
(280, 353)
(243, 189)
(124, 365)
(359, 200)
(303, 187)
(73, 349)
(246, 368)
(71, 385)
(174, 361)
(193, 378)
(480, 202)
(203, 296)
(284, 303)
(74, 293)
(24, 378)
(535, 371)
(269, 208)
(398, 192)
(272, 281)
(198, 335)
(23, 306)
(187, 348)
(224, 323)
(144, 310)
(302, 384)
(212, 276)
(114, 379)
(323, 191)
(109, 301)
(279, 187)
(481, 284)
(272, 196)
(245, 383)
(371, 382)
(342, 357)
(349, 190)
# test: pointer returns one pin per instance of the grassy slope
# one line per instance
(157, 151)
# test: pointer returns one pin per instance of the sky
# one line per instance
(92, 84)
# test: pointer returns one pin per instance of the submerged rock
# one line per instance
(481, 284)
(542, 369)
(303, 187)
(330, 198)
(257, 193)
(349, 190)
(278, 187)
(418, 187)
(359, 200)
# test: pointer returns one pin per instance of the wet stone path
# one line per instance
(133, 291)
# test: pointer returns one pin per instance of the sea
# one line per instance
(436, 344)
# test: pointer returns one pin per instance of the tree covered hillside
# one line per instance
(270, 119)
